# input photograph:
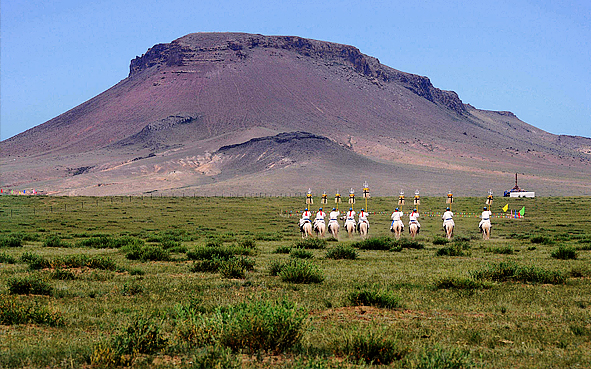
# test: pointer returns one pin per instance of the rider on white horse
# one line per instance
(350, 217)
(333, 217)
(414, 216)
(396, 218)
(485, 218)
(448, 219)
(305, 218)
(320, 215)
(363, 218)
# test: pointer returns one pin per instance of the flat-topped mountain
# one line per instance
(221, 110)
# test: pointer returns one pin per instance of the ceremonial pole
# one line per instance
(324, 199)
(450, 199)
(417, 200)
(489, 199)
(309, 199)
(352, 198)
(365, 194)
(401, 200)
(337, 199)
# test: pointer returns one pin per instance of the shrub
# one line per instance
(503, 250)
(12, 311)
(509, 271)
(376, 243)
(131, 289)
(169, 243)
(410, 244)
(146, 253)
(541, 239)
(301, 271)
(208, 266)
(580, 271)
(342, 252)
(63, 275)
(29, 285)
(12, 240)
(55, 241)
(371, 347)
(232, 269)
(311, 243)
(107, 242)
(261, 325)
(247, 243)
(454, 249)
(460, 283)
(215, 357)
(438, 357)
(142, 336)
(440, 240)
(301, 254)
(275, 267)
(374, 297)
(282, 250)
(268, 236)
(564, 253)
(7, 259)
(210, 252)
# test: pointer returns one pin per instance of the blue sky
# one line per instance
(529, 57)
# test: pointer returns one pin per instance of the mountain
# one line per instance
(212, 112)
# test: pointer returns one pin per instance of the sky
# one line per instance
(532, 58)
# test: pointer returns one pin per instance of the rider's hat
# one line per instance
(334, 209)
(484, 208)
(447, 208)
(396, 209)
(362, 209)
(350, 209)
(415, 209)
(306, 209)
(320, 209)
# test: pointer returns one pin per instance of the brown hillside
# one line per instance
(184, 100)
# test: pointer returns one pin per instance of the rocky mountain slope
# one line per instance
(172, 122)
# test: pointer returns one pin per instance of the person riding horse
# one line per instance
(485, 218)
(396, 219)
(448, 219)
(362, 219)
(413, 219)
(305, 218)
(350, 218)
(320, 215)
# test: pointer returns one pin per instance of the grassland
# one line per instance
(183, 282)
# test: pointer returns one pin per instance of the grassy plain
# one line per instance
(437, 311)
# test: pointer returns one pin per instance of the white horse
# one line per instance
(363, 228)
(397, 227)
(333, 229)
(319, 228)
(413, 229)
(350, 228)
(306, 229)
(448, 227)
(485, 229)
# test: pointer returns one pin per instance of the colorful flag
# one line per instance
(505, 208)
(522, 211)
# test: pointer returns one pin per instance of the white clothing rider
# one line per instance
(448, 218)
(350, 217)
(333, 217)
(413, 219)
(320, 215)
(397, 218)
(363, 217)
(485, 218)
(305, 217)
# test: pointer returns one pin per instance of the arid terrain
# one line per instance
(245, 113)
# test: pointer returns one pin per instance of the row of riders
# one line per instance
(307, 226)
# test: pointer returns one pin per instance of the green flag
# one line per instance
(522, 211)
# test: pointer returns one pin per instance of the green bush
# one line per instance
(300, 271)
(342, 252)
(502, 250)
(410, 244)
(11, 240)
(215, 357)
(55, 241)
(311, 243)
(455, 249)
(460, 283)
(210, 252)
(268, 236)
(564, 253)
(247, 243)
(233, 269)
(275, 267)
(29, 285)
(545, 240)
(63, 275)
(375, 243)
(374, 297)
(371, 347)
(108, 242)
(301, 254)
(261, 325)
(437, 240)
(509, 271)
(437, 357)
(282, 250)
(132, 289)
(13, 311)
(7, 259)
(146, 253)
(207, 265)
(72, 261)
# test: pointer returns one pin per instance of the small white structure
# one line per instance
(529, 194)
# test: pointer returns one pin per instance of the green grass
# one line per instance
(348, 307)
